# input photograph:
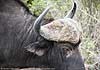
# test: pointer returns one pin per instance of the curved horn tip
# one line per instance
(71, 13)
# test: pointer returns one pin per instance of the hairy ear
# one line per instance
(34, 48)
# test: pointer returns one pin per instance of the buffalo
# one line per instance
(22, 45)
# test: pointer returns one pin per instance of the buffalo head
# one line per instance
(59, 40)
(61, 30)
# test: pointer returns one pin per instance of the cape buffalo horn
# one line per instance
(63, 30)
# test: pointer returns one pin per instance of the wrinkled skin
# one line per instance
(16, 33)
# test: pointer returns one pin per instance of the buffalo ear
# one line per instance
(33, 49)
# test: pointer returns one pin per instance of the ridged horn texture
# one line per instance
(63, 30)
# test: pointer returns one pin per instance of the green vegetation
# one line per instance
(59, 6)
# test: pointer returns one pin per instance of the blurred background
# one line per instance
(88, 15)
